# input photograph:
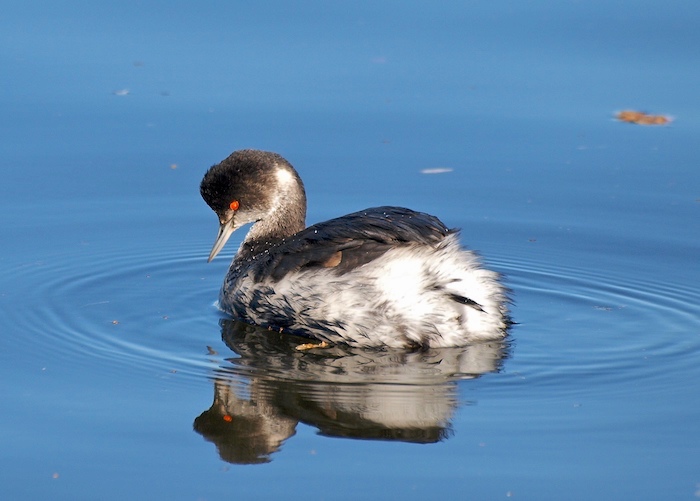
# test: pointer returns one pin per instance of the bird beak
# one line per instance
(226, 228)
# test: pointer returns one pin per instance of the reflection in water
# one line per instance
(260, 396)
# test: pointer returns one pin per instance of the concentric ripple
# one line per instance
(154, 312)
(145, 311)
(603, 326)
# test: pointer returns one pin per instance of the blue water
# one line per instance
(122, 381)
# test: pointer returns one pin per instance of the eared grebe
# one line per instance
(382, 276)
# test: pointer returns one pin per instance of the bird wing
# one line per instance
(350, 241)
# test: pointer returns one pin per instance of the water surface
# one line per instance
(122, 381)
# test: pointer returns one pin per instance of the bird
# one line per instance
(380, 277)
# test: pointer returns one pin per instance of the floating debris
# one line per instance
(121, 92)
(641, 118)
(436, 170)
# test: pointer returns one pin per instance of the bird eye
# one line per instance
(234, 205)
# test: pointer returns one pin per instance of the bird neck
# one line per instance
(286, 217)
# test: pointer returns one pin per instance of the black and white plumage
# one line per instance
(382, 276)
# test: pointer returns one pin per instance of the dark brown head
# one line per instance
(251, 186)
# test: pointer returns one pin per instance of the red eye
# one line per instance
(234, 205)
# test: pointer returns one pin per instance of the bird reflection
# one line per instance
(381, 394)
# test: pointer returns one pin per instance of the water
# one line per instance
(121, 380)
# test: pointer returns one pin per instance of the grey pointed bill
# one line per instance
(225, 230)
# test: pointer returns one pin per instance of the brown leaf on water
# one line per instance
(642, 118)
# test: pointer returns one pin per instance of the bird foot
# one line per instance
(311, 346)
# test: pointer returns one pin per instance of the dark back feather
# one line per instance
(349, 241)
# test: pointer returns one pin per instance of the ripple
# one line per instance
(601, 325)
(153, 312)
(146, 311)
